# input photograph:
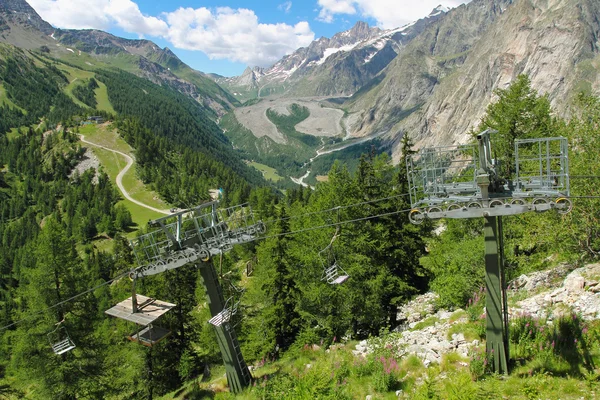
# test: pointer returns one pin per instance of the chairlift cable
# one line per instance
(336, 208)
(34, 313)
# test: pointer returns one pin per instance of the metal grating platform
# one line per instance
(150, 335)
(149, 310)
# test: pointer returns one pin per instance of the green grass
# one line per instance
(431, 321)
(14, 133)
(76, 77)
(268, 172)
(140, 215)
(102, 98)
(105, 135)
(113, 163)
(140, 192)
(5, 100)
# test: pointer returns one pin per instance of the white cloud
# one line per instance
(331, 7)
(387, 13)
(128, 17)
(98, 14)
(235, 35)
(73, 14)
(221, 33)
(285, 7)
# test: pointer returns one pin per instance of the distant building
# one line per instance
(96, 119)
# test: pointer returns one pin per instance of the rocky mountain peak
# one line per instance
(359, 32)
(21, 13)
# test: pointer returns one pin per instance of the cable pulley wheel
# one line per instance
(564, 205)
(416, 216)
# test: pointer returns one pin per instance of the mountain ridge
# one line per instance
(330, 67)
(22, 27)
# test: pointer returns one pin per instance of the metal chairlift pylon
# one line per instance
(60, 340)
(465, 182)
(192, 237)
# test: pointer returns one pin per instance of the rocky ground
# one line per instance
(544, 295)
(89, 160)
(322, 121)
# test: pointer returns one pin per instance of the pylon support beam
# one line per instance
(496, 308)
(238, 374)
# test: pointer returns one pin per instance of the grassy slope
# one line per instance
(5, 100)
(268, 172)
(102, 98)
(75, 77)
(335, 372)
(113, 163)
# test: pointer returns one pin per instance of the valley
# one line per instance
(323, 120)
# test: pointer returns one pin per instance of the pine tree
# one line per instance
(280, 286)
(519, 113)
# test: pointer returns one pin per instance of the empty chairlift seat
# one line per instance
(60, 341)
(335, 275)
(223, 316)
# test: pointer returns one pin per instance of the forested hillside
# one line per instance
(55, 278)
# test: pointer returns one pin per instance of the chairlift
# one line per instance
(60, 340)
(230, 309)
(333, 273)
(143, 311)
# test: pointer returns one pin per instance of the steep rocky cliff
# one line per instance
(438, 87)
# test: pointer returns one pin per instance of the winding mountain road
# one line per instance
(122, 173)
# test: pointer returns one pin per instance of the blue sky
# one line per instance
(226, 36)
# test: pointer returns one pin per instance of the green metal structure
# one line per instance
(464, 182)
(190, 238)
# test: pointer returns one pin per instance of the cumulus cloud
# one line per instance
(331, 7)
(387, 13)
(235, 35)
(98, 14)
(221, 33)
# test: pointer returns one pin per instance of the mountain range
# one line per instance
(431, 79)
(434, 79)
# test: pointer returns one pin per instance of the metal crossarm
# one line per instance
(463, 181)
(206, 228)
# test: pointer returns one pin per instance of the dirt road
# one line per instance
(122, 173)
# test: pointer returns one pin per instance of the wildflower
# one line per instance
(335, 337)
(584, 330)
(527, 325)
(575, 340)
(553, 344)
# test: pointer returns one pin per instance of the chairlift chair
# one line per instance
(225, 315)
(60, 340)
(333, 273)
